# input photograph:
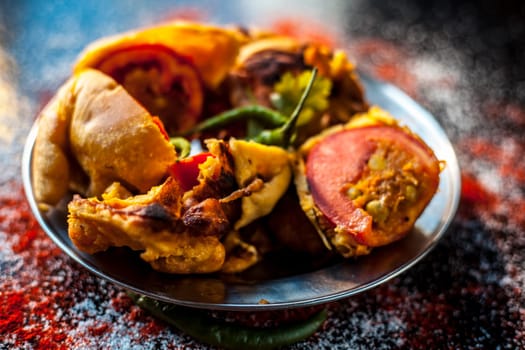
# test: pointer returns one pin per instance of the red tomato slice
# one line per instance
(340, 162)
(166, 83)
(186, 171)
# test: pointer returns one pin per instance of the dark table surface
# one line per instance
(463, 61)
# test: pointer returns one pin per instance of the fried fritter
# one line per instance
(177, 231)
(95, 128)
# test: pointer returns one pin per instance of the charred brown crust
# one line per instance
(268, 66)
(207, 218)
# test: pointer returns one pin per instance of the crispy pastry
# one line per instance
(93, 133)
(153, 224)
(168, 68)
(177, 231)
(197, 42)
(256, 162)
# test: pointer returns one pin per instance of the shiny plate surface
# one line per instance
(282, 283)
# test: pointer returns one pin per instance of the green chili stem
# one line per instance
(288, 128)
(201, 326)
(262, 114)
(282, 136)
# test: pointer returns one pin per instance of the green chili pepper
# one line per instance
(182, 146)
(258, 116)
(282, 136)
(254, 128)
(201, 326)
(263, 115)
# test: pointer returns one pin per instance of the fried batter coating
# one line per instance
(240, 255)
(212, 50)
(270, 164)
(93, 126)
(50, 162)
(152, 223)
(177, 232)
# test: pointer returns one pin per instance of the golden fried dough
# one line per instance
(212, 50)
(94, 124)
(151, 223)
(50, 162)
(254, 161)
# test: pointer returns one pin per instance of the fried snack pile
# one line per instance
(285, 151)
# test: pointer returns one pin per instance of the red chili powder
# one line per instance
(473, 192)
(305, 30)
(510, 112)
(504, 159)
(11, 315)
(387, 61)
(26, 313)
(51, 303)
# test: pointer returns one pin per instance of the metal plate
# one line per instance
(283, 284)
